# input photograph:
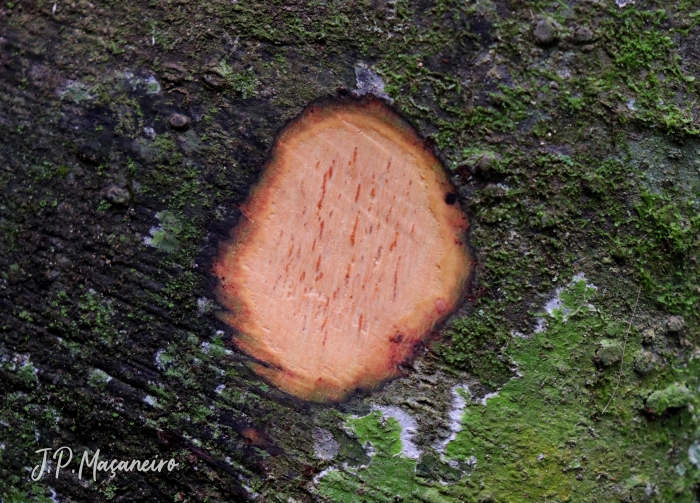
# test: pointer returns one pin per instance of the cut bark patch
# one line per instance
(350, 251)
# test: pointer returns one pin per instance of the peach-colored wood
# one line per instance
(347, 255)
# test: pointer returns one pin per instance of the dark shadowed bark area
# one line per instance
(131, 132)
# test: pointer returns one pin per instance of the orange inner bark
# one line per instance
(347, 256)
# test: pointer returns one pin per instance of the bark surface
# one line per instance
(131, 135)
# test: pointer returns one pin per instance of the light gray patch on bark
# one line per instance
(325, 446)
(369, 82)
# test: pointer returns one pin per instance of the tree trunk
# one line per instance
(132, 132)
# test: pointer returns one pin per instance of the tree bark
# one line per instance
(132, 132)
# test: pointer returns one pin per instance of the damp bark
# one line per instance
(578, 157)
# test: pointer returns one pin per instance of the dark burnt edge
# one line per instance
(220, 239)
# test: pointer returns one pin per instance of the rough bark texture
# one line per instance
(130, 133)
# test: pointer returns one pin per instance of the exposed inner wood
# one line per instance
(349, 253)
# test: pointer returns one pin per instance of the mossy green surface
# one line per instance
(671, 397)
(389, 476)
(580, 156)
(562, 429)
(566, 430)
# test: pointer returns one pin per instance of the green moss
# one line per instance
(389, 477)
(543, 436)
(27, 374)
(99, 378)
(189, 191)
(243, 83)
(609, 352)
(673, 396)
(76, 92)
(474, 344)
(556, 197)
(165, 237)
(103, 206)
(35, 494)
(45, 171)
(166, 148)
(663, 246)
(647, 64)
(92, 312)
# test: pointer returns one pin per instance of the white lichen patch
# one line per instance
(147, 85)
(323, 473)
(162, 358)
(487, 396)
(164, 236)
(75, 91)
(409, 427)
(325, 445)
(99, 377)
(251, 492)
(152, 85)
(460, 393)
(369, 450)
(151, 401)
(369, 82)
(22, 361)
(204, 306)
(503, 187)
(694, 454)
(541, 325)
(556, 303)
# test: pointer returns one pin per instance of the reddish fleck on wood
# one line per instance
(349, 252)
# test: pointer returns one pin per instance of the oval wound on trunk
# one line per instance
(349, 252)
